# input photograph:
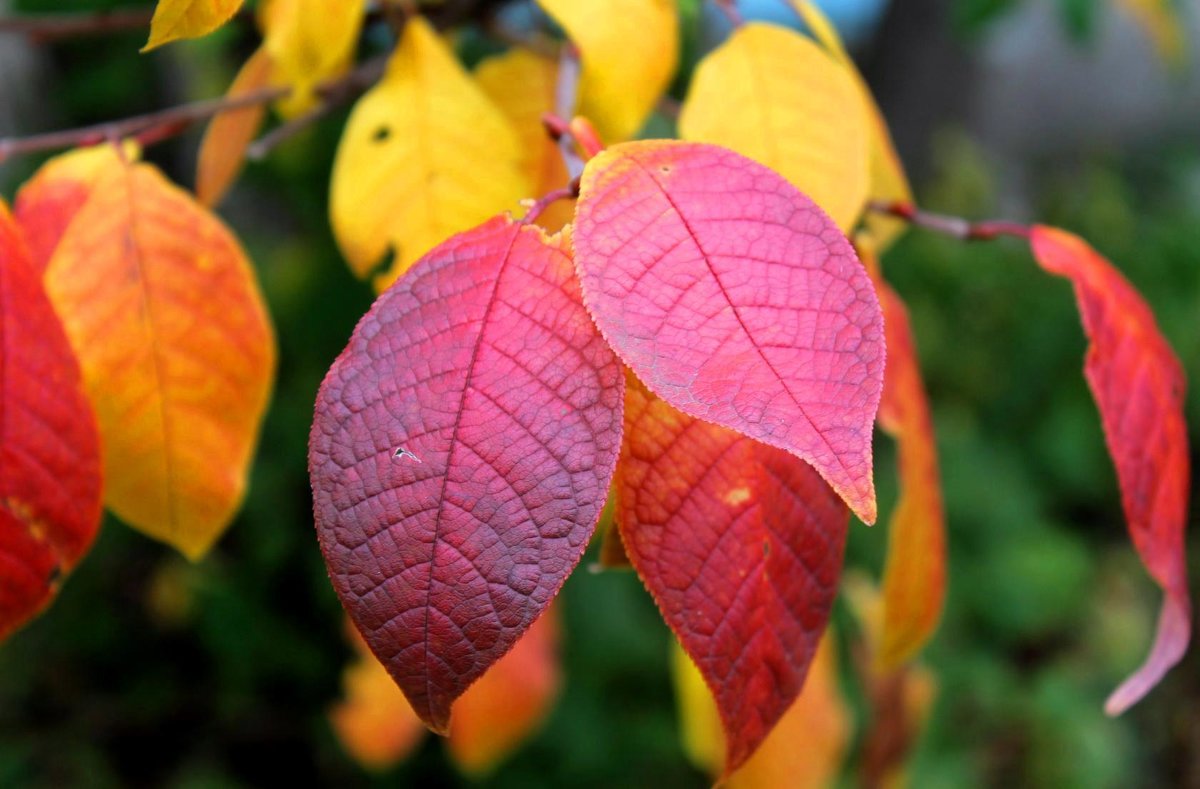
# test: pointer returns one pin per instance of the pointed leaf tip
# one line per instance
(1138, 384)
(733, 297)
(512, 401)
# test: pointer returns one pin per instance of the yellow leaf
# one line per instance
(309, 41)
(775, 96)
(177, 353)
(806, 748)
(889, 184)
(425, 155)
(629, 50)
(223, 149)
(522, 84)
(176, 19)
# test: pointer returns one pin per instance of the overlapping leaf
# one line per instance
(740, 544)
(523, 85)
(162, 309)
(223, 149)
(176, 19)
(736, 300)
(775, 96)
(460, 453)
(914, 577)
(618, 90)
(49, 446)
(425, 154)
(1138, 384)
(309, 41)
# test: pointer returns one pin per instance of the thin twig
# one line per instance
(536, 207)
(566, 95)
(730, 10)
(953, 226)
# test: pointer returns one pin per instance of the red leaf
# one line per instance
(1138, 384)
(736, 300)
(741, 546)
(460, 454)
(49, 452)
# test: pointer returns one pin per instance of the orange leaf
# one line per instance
(223, 149)
(1138, 384)
(162, 309)
(914, 578)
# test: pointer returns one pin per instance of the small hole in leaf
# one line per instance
(381, 134)
(666, 168)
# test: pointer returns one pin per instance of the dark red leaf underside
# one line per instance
(741, 545)
(737, 300)
(1138, 384)
(49, 449)
(460, 455)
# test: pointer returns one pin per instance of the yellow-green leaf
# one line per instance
(629, 49)
(425, 155)
(309, 41)
(176, 349)
(779, 98)
(176, 19)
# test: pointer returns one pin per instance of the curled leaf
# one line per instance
(1138, 384)
(163, 311)
(735, 299)
(618, 89)
(798, 111)
(50, 453)
(425, 154)
(460, 453)
(741, 545)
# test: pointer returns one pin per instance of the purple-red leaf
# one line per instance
(740, 544)
(49, 449)
(1138, 384)
(737, 300)
(460, 455)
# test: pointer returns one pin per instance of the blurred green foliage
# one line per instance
(152, 671)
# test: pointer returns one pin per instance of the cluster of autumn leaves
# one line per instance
(647, 340)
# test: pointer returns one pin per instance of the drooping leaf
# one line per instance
(309, 41)
(888, 182)
(523, 84)
(1138, 384)
(460, 453)
(162, 309)
(805, 749)
(914, 575)
(176, 19)
(736, 300)
(49, 201)
(740, 545)
(773, 95)
(425, 154)
(618, 90)
(50, 452)
(510, 702)
(229, 134)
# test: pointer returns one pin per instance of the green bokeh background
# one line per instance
(151, 671)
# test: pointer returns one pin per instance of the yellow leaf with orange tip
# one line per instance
(779, 98)
(378, 728)
(888, 183)
(629, 51)
(309, 41)
(176, 19)
(523, 84)
(163, 311)
(425, 155)
(229, 134)
(914, 576)
(805, 749)
(50, 199)
(508, 703)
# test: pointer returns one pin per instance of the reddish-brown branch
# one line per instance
(53, 27)
(953, 226)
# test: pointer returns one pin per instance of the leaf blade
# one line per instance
(178, 19)
(229, 134)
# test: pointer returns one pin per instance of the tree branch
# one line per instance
(730, 10)
(953, 226)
